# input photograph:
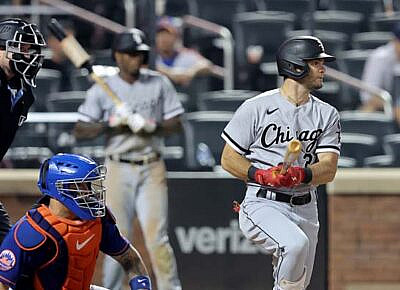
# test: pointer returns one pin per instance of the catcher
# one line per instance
(55, 245)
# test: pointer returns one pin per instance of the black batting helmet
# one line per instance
(293, 53)
(131, 41)
(23, 43)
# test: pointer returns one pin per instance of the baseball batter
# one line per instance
(279, 211)
(136, 176)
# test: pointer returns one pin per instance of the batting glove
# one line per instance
(265, 176)
(137, 122)
(119, 116)
(140, 283)
(295, 175)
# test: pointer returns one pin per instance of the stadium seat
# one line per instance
(358, 147)
(330, 93)
(103, 57)
(333, 41)
(391, 143)
(48, 81)
(176, 8)
(383, 22)
(30, 146)
(346, 162)
(365, 7)
(297, 7)
(352, 62)
(220, 12)
(203, 144)
(65, 101)
(335, 20)
(371, 40)
(265, 28)
(373, 124)
(225, 100)
(60, 134)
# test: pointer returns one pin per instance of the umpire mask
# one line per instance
(23, 44)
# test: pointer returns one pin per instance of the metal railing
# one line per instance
(227, 46)
(363, 86)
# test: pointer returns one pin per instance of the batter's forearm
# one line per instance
(87, 130)
(3, 287)
(234, 163)
(132, 262)
(324, 171)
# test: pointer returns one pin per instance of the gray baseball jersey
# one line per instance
(263, 126)
(153, 96)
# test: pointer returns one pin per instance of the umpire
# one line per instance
(20, 61)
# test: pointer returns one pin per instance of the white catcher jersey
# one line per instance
(152, 95)
(263, 126)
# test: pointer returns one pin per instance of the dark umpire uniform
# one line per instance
(20, 61)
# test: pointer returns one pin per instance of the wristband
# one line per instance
(251, 172)
(307, 175)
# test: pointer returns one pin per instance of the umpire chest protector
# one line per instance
(70, 247)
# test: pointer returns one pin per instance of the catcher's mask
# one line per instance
(294, 52)
(75, 181)
(23, 43)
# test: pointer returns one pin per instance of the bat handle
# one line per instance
(56, 28)
(285, 167)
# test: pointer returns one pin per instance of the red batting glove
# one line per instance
(293, 177)
(267, 177)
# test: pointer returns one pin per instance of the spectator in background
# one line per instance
(59, 60)
(379, 71)
(178, 63)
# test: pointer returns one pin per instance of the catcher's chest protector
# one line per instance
(77, 247)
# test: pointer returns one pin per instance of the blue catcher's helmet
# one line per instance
(76, 182)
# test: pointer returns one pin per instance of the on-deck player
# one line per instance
(21, 58)
(136, 174)
(55, 246)
(279, 212)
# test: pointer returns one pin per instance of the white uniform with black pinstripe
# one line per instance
(138, 190)
(260, 130)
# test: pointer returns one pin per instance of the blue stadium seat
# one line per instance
(203, 144)
(373, 124)
(365, 7)
(225, 100)
(297, 7)
(251, 28)
(383, 22)
(48, 81)
(335, 20)
(371, 40)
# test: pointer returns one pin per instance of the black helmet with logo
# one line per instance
(293, 53)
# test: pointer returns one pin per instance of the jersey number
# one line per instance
(308, 158)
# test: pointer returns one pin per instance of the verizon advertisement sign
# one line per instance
(210, 249)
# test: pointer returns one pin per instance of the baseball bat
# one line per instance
(292, 153)
(79, 57)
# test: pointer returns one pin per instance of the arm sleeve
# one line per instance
(112, 242)
(329, 141)
(240, 131)
(172, 107)
(91, 109)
